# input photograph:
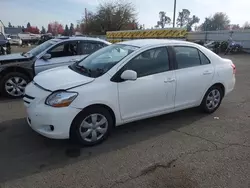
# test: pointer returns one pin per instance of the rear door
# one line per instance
(194, 74)
(64, 53)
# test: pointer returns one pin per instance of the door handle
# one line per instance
(207, 72)
(169, 80)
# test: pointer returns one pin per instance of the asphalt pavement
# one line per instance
(186, 149)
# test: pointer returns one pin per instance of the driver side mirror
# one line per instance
(129, 75)
(46, 56)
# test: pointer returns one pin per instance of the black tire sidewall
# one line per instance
(74, 130)
(8, 76)
(203, 104)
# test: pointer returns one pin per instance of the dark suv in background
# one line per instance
(4, 45)
(17, 70)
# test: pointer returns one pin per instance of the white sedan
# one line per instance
(125, 82)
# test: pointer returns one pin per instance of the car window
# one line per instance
(90, 47)
(64, 49)
(204, 59)
(14, 37)
(40, 48)
(150, 62)
(58, 48)
(187, 57)
(101, 61)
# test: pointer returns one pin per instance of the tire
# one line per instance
(78, 132)
(20, 81)
(8, 51)
(215, 93)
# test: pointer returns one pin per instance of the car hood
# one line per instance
(61, 78)
(13, 58)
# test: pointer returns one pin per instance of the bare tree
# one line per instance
(113, 16)
(110, 16)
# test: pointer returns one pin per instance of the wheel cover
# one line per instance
(93, 127)
(213, 99)
(15, 86)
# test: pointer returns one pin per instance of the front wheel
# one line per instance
(92, 126)
(8, 49)
(212, 99)
(13, 84)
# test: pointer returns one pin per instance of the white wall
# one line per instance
(1, 27)
(242, 36)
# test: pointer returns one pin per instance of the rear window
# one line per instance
(187, 56)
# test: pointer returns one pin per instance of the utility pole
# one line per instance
(86, 21)
(174, 13)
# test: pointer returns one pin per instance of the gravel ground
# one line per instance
(186, 149)
(18, 49)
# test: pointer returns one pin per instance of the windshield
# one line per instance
(104, 59)
(40, 48)
(14, 37)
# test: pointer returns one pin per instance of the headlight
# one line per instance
(61, 98)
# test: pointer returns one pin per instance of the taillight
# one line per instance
(234, 68)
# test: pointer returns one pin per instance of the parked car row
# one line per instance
(222, 46)
(87, 96)
(15, 40)
(17, 70)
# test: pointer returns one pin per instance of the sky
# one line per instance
(41, 12)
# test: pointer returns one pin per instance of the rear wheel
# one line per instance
(92, 126)
(212, 99)
(13, 84)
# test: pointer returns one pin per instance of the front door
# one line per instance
(154, 89)
(62, 54)
(194, 75)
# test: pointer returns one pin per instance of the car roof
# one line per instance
(65, 38)
(151, 42)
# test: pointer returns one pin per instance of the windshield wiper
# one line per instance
(25, 54)
(100, 71)
(84, 69)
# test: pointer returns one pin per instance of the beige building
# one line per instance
(1, 27)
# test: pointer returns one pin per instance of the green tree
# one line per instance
(9, 25)
(28, 25)
(66, 31)
(43, 31)
(71, 29)
(184, 19)
(192, 21)
(219, 21)
(164, 20)
(77, 28)
(246, 25)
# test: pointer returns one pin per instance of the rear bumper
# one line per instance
(230, 86)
